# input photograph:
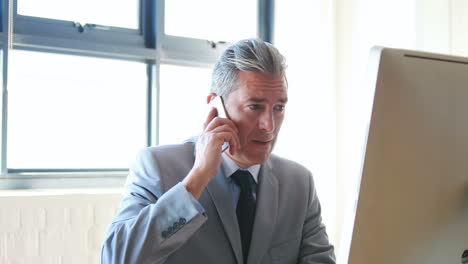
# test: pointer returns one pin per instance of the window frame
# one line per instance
(149, 45)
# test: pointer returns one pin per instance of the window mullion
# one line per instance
(266, 19)
(7, 13)
(153, 103)
(85, 48)
(190, 52)
(148, 14)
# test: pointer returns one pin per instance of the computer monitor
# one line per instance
(412, 204)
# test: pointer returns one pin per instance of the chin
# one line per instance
(259, 158)
(253, 154)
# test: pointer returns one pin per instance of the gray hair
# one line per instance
(246, 55)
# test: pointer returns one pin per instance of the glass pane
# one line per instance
(183, 107)
(74, 112)
(211, 19)
(123, 13)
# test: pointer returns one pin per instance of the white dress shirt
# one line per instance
(229, 167)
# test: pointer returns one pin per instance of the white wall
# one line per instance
(304, 34)
(430, 25)
(54, 227)
(361, 24)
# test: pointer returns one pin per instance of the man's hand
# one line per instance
(216, 131)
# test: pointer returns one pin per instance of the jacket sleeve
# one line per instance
(151, 223)
(315, 247)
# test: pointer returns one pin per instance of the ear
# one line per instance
(210, 97)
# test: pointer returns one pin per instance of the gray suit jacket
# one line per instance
(159, 222)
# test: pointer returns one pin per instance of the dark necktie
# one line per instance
(245, 209)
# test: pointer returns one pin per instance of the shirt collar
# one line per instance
(229, 167)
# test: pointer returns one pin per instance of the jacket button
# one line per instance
(182, 221)
(170, 229)
(175, 225)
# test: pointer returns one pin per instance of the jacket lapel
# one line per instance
(221, 195)
(265, 215)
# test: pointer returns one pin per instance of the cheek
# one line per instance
(279, 122)
(245, 130)
(245, 123)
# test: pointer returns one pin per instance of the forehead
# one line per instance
(258, 84)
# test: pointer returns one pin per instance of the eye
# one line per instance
(279, 108)
(255, 107)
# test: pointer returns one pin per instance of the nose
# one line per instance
(267, 122)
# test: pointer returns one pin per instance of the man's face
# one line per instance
(257, 108)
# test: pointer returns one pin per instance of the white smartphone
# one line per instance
(218, 103)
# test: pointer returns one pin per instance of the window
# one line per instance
(182, 109)
(74, 112)
(123, 13)
(88, 83)
(215, 23)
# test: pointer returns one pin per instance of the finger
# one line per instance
(227, 134)
(234, 145)
(224, 128)
(235, 141)
(211, 115)
(218, 124)
(218, 121)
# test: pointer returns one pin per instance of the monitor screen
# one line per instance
(412, 204)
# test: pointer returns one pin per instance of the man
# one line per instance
(194, 203)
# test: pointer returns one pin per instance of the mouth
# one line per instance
(262, 141)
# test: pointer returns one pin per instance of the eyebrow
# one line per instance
(261, 100)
